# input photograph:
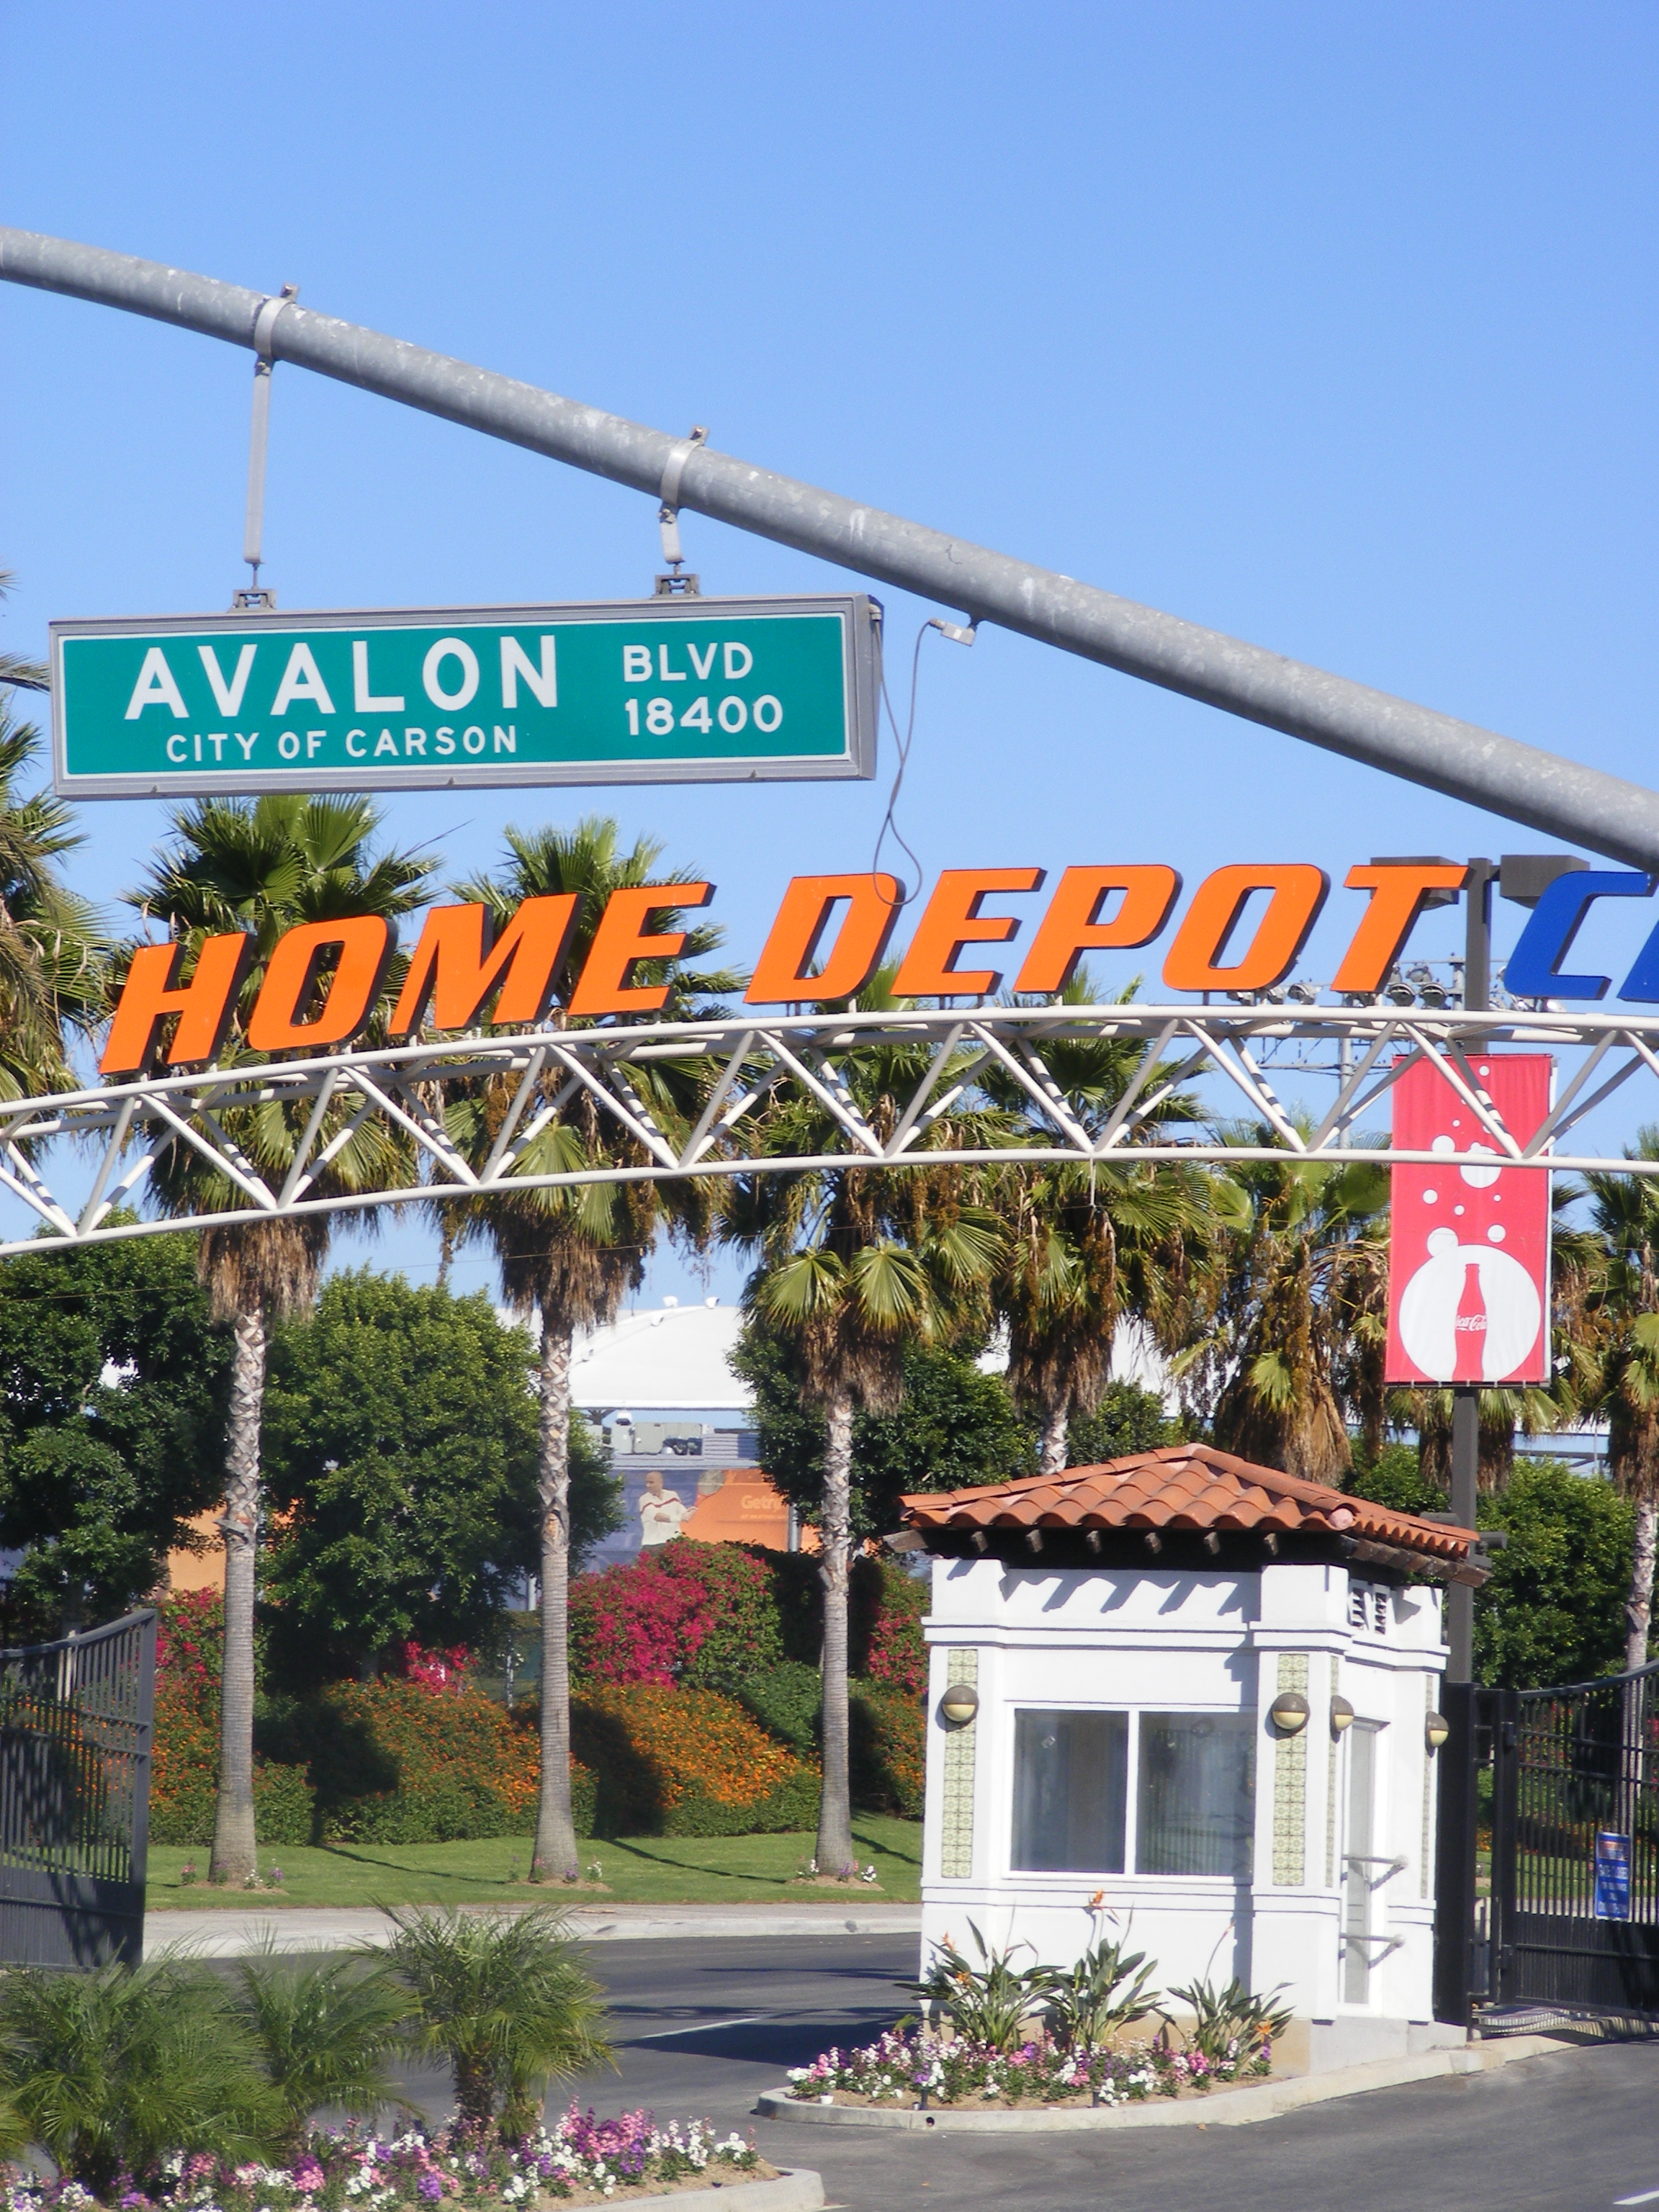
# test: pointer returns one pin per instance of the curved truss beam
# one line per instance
(1563, 798)
(759, 1060)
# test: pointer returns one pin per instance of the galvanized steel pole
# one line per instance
(1560, 797)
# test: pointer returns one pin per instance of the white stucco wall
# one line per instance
(1162, 1642)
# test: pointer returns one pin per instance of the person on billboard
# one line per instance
(661, 1512)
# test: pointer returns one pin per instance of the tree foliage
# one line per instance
(113, 1379)
(400, 1459)
(954, 1426)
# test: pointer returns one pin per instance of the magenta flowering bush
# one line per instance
(579, 2160)
(902, 2067)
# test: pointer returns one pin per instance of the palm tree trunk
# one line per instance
(1638, 1608)
(554, 1853)
(233, 1858)
(1053, 1449)
(835, 1849)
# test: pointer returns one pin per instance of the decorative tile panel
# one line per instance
(1291, 1784)
(1427, 1786)
(1332, 1766)
(957, 1825)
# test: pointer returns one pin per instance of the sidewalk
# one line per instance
(219, 1934)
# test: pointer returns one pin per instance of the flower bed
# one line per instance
(898, 2068)
(579, 2160)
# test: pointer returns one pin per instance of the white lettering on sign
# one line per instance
(179, 739)
(156, 687)
(385, 743)
(669, 675)
(414, 742)
(450, 649)
(227, 697)
(515, 663)
(637, 664)
(352, 747)
(302, 679)
(288, 745)
(362, 698)
(735, 674)
(704, 667)
(247, 742)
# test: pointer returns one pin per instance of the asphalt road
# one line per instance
(702, 2026)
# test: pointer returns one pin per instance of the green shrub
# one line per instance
(506, 2001)
(393, 1762)
(113, 2069)
(674, 1762)
(887, 1750)
(787, 1701)
(323, 2032)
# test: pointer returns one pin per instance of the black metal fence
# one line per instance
(76, 1722)
(1572, 1922)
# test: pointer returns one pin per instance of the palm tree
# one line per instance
(15, 668)
(856, 1263)
(54, 950)
(1085, 1238)
(571, 1254)
(265, 868)
(1297, 1310)
(1619, 1303)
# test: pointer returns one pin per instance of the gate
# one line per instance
(76, 1722)
(1571, 1924)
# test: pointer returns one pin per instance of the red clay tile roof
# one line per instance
(1184, 1486)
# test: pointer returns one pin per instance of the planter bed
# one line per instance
(577, 2161)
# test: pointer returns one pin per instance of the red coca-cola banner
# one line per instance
(1469, 1250)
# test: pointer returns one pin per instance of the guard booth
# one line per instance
(1193, 1701)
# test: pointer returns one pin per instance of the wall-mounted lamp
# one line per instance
(1341, 1717)
(958, 1704)
(1289, 1712)
(1435, 1728)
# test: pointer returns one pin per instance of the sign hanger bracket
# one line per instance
(673, 585)
(253, 597)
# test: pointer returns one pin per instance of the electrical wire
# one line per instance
(903, 743)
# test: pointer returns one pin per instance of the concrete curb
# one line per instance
(1222, 2108)
(796, 2190)
(227, 1933)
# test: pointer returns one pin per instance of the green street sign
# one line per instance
(669, 691)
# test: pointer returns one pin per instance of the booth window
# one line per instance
(1071, 1790)
(1196, 1808)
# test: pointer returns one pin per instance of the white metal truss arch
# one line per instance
(753, 1060)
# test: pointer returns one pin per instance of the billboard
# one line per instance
(1469, 1247)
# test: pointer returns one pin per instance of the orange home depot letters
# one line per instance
(952, 920)
(456, 966)
(843, 920)
(1069, 928)
(621, 940)
(366, 943)
(1297, 890)
(782, 972)
(1398, 888)
(204, 1005)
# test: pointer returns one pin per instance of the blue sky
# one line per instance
(1331, 327)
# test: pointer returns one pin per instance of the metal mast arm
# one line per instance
(1562, 798)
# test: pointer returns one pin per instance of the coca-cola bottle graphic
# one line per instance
(1471, 1365)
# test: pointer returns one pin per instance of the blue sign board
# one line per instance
(1612, 1876)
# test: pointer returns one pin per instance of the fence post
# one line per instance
(1454, 1858)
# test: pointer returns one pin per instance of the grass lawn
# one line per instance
(637, 1869)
